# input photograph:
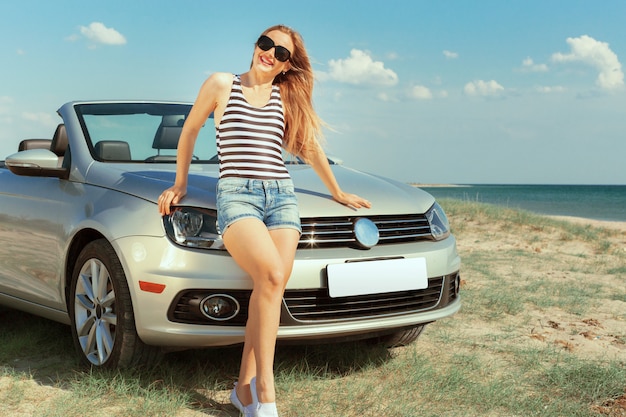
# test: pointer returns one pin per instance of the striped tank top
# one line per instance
(249, 139)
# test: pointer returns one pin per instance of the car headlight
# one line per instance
(439, 224)
(193, 228)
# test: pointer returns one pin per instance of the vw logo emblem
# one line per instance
(366, 233)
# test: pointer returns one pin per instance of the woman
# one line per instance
(276, 97)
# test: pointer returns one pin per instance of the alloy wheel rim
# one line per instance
(95, 316)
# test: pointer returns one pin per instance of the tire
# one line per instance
(401, 338)
(101, 312)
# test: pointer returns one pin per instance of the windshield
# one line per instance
(142, 132)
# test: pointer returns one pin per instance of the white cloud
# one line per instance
(598, 55)
(483, 88)
(45, 119)
(450, 54)
(359, 68)
(421, 93)
(99, 33)
(529, 65)
(550, 89)
(392, 56)
(5, 104)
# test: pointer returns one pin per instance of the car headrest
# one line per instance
(168, 133)
(59, 141)
(27, 144)
(113, 150)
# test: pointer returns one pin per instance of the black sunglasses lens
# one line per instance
(265, 43)
(280, 53)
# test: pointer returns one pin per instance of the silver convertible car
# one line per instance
(82, 243)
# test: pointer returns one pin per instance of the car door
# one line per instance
(35, 213)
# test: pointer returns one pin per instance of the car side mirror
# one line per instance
(36, 163)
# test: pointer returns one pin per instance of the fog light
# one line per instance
(219, 307)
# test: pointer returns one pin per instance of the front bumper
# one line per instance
(157, 260)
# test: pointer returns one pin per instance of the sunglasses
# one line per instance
(280, 52)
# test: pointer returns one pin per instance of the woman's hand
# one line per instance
(172, 195)
(352, 200)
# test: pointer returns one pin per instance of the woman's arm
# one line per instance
(206, 102)
(319, 162)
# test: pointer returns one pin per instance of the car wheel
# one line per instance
(401, 338)
(101, 311)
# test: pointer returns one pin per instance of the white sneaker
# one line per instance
(261, 409)
(266, 410)
(247, 411)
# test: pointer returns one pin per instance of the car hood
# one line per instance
(387, 196)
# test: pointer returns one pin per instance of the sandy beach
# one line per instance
(621, 226)
(550, 255)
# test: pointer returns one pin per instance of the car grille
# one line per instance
(315, 305)
(334, 232)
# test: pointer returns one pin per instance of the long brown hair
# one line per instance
(303, 127)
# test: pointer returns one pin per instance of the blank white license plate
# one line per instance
(374, 277)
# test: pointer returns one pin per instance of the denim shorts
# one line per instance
(274, 202)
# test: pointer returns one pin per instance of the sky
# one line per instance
(431, 92)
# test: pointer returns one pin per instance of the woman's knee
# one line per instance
(271, 283)
(275, 278)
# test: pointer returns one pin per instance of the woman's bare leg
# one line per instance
(267, 256)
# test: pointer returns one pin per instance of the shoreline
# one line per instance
(420, 185)
(606, 224)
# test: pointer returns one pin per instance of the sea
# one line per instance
(597, 202)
